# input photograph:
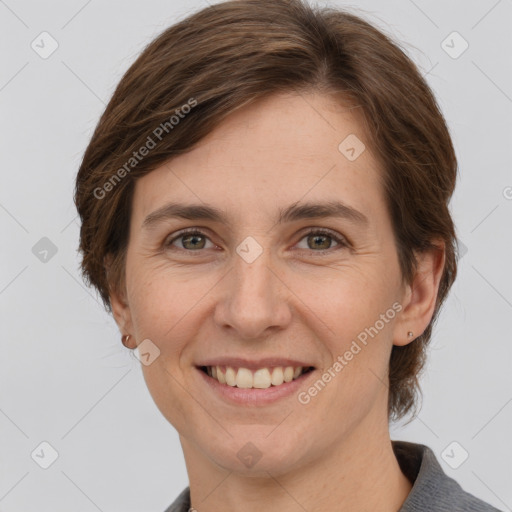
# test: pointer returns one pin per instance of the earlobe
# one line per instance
(128, 341)
(421, 295)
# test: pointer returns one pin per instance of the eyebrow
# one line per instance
(291, 213)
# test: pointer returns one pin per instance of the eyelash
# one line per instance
(343, 244)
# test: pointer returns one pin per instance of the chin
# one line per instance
(258, 453)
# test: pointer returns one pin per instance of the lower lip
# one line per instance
(255, 396)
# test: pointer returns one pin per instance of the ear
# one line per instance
(419, 298)
(119, 304)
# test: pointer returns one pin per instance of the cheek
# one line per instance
(161, 312)
(155, 296)
(359, 346)
(352, 301)
(156, 306)
(359, 312)
(165, 307)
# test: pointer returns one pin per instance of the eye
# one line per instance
(319, 239)
(192, 240)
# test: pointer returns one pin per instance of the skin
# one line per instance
(335, 452)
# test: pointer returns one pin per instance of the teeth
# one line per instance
(288, 374)
(230, 376)
(277, 376)
(221, 377)
(262, 378)
(244, 378)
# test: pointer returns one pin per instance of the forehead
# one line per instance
(276, 151)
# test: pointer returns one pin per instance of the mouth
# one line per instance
(259, 378)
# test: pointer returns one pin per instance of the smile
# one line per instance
(260, 378)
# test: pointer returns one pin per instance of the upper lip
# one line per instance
(239, 362)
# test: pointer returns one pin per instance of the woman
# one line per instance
(264, 209)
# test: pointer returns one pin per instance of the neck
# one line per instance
(361, 474)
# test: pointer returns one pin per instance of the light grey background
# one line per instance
(66, 379)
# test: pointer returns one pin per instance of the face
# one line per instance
(259, 283)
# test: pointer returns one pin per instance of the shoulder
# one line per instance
(433, 489)
(181, 503)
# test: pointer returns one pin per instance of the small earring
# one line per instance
(125, 341)
(410, 334)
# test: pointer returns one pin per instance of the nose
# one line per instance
(254, 299)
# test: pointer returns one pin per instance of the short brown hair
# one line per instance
(233, 53)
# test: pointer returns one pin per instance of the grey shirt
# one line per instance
(432, 491)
